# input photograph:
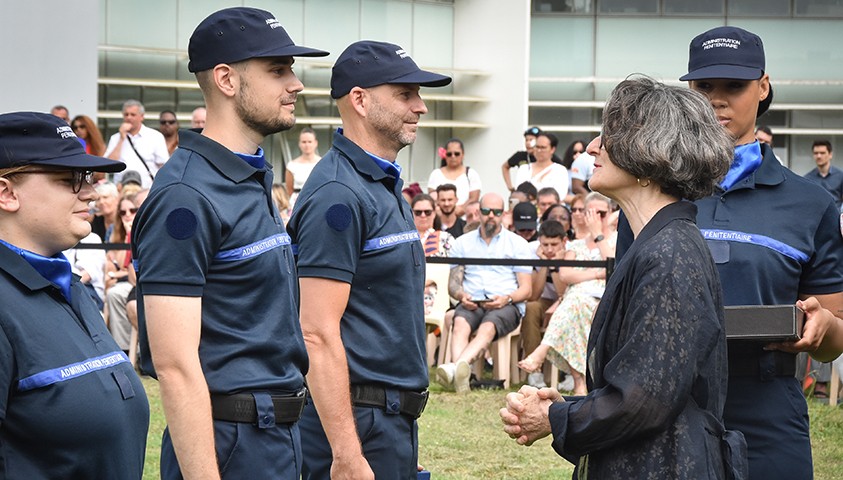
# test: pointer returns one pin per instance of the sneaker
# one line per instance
(566, 385)
(462, 376)
(445, 374)
(536, 379)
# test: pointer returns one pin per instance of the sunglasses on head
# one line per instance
(126, 212)
(422, 213)
(453, 154)
(497, 211)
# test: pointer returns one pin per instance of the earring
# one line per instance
(642, 184)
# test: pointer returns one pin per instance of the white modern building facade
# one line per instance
(515, 63)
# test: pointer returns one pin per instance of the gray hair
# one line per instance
(597, 196)
(133, 103)
(669, 135)
(107, 189)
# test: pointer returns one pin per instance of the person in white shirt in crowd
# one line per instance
(491, 297)
(544, 172)
(299, 168)
(141, 148)
(455, 172)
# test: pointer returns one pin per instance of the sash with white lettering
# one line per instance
(755, 239)
(67, 372)
(390, 240)
(253, 249)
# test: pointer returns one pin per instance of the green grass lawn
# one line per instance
(461, 437)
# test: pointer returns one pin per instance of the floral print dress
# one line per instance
(567, 331)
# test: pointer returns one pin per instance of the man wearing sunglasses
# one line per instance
(169, 127)
(491, 296)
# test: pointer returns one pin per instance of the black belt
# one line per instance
(240, 407)
(411, 403)
(743, 363)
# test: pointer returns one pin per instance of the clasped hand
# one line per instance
(525, 416)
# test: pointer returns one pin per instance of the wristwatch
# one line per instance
(508, 300)
(553, 269)
(599, 238)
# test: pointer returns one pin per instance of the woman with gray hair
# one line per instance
(656, 361)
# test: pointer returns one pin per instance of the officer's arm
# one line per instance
(822, 335)
(323, 302)
(174, 328)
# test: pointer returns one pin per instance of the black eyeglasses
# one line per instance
(497, 211)
(133, 211)
(78, 179)
(602, 213)
(453, 154)
(167, 122)
(422, 213)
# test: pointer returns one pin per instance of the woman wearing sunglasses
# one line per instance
(454, 171)
(71, 405)
(118, 288)
(436, 241)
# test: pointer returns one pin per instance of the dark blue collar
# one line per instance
(55, 269)
(390, 168)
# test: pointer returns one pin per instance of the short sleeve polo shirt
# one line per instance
(209, 228)
(71, 405)
(773, 236)
(352, 224)
(486, 281)
(832, 183)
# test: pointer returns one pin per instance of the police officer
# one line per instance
(776, 240)
(361, 270)
(216, 273)
(71, 405)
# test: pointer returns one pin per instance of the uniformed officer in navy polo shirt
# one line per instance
(71, 405)
(216, 273)
(776, 240)
(361, 270)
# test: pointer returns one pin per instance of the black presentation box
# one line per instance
(764, 323)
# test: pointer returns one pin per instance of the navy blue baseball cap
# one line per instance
(726, 52)
(33, 138)
(235, 34)
(368, 63)
(534, 131)
(525, 217)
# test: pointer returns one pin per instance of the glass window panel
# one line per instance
(812, 57)
(759, 8)
(191, 13)
(150, 23)
(684, 7)
(391, 20)
(663, 57)
(562, 116)
(819, 8)
(139, 65)
(433, 41)
(562, 6)
(561, 47)
(629, 7)
(333, 24)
